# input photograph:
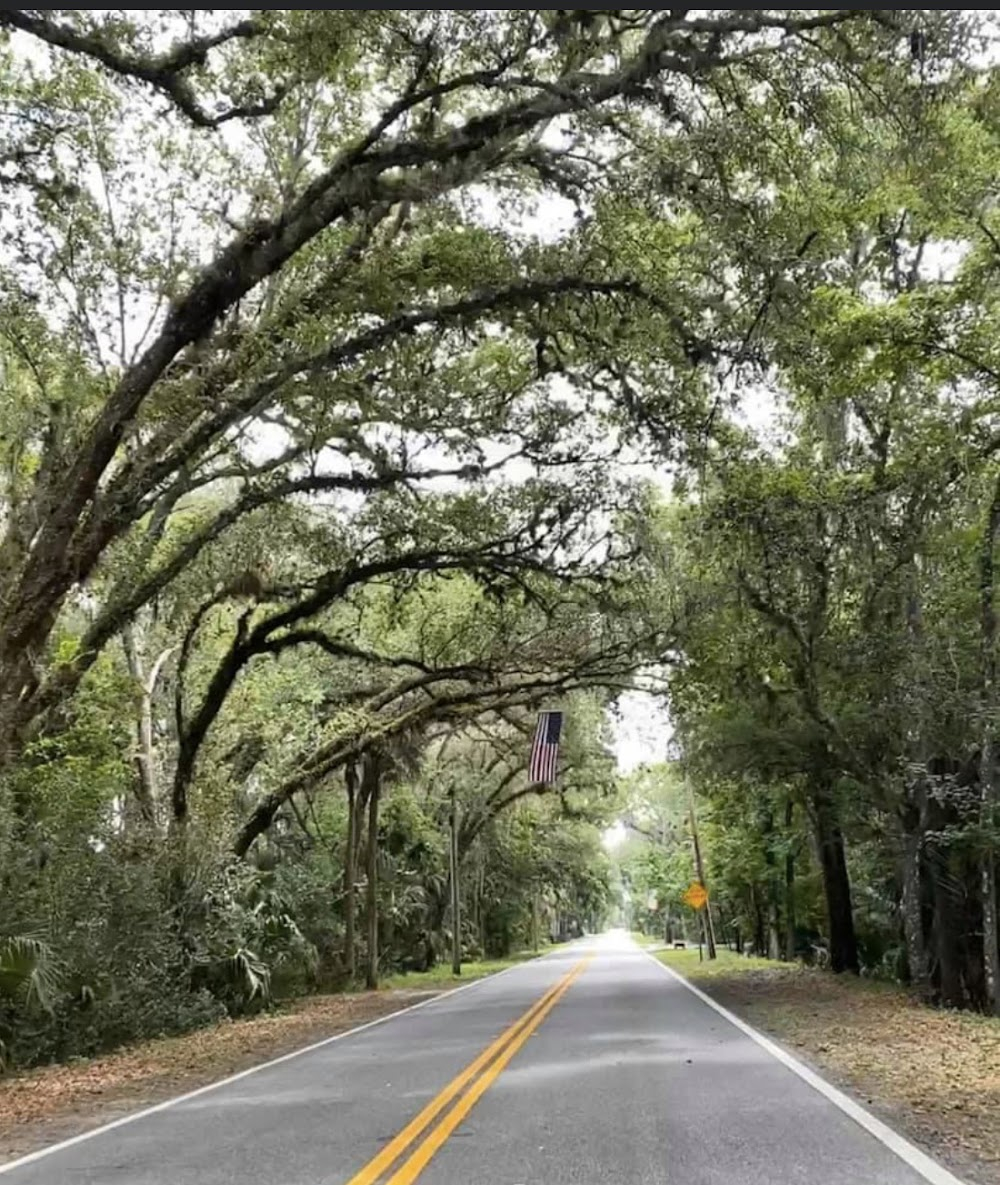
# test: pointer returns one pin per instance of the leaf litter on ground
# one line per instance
(932, 1074)
(43, 1106)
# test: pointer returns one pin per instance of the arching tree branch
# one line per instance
(165, 72)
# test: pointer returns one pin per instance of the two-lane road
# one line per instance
(591, 1066)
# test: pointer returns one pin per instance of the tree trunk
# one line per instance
(774, 931)
(145, 791)
(722, 929)
(387, 935)
(989, 796)
(946, 874)
(789, 883)
(759, 933)
(948, 946)
(973, 974)
(913, 825)
(144, 685)
(482, 912)
(350, 873)
(371, 896)
(913, 815)
(836, 883)
(773, 892)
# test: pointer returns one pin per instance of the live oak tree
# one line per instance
(459, 652)
(318, 269)
(440, 672)
(852, 548)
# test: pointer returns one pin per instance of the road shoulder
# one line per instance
(54, 1103)
(932, 1076)
(45, 1106)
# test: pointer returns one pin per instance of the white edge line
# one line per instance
(919, 1161)
(133, 1116)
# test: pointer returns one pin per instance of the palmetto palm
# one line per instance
(30, 978)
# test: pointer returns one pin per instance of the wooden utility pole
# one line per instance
(456, 896)
(371, 892)
(700, 869)
(350, 872)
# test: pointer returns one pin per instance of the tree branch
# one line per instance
(164, 73)
(260, 639)
(467, 704)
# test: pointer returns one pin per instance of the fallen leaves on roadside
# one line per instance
(43, 1105)
(937, 1073)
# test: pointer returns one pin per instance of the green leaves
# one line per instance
(336, 416)
(30, 974)
(31, 979)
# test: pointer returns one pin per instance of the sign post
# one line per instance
(700, 869)
(697, 897)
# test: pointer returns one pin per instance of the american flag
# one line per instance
(545, 747)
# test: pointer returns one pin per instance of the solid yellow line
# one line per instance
(399, 1144)
(416, 1164)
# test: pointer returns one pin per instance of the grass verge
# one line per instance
(933, 1075)
(441, 976)
(723, 966)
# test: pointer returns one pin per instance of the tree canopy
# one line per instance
(374, 380)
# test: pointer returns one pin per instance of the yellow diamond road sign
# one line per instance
(696, 896)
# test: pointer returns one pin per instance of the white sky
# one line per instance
(642, 730)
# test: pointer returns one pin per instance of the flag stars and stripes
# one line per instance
(545, 748)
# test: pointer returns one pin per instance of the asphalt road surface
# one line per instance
(591, 1066)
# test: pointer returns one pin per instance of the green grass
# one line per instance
(727, 963)
(645, 939)
(441, 976)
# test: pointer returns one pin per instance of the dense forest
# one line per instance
(370, 381)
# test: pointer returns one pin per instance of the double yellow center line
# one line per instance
(481, 1073)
